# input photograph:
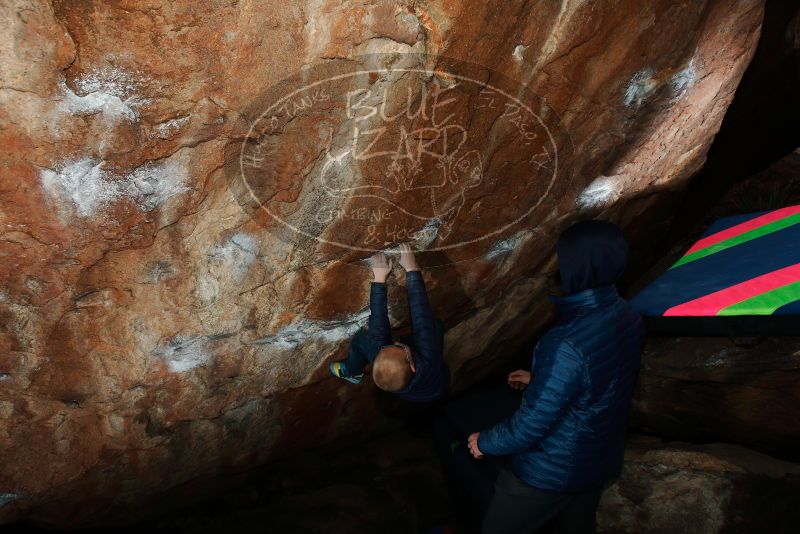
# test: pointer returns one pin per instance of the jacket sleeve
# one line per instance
(557, 379)
(380, 332)
(427, 341)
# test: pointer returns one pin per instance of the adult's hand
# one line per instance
(407, 259)
(381, 267)
(519, 379)
(472, 442)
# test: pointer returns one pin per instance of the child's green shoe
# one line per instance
(339, 370)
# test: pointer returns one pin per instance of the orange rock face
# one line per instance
(188, 190)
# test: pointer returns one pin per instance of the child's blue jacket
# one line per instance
(432, 377)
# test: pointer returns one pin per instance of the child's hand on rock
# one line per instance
(381, 267)
(407, 259)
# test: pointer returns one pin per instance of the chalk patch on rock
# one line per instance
(507, 245)
(184, 353)
(110, 91)
(153, 184)
(317, 30)
(227, 265)
(420, 240)
(307, 330)
(161, 270)
(89, 189)
(518, 51)
(34, 284)
(646, 82)
(425, 237)
(604, 190)
(683, 79)
(384, 45)
(237, 254)
(110, 106)
(639, 88)
(720, 358)
(7, 498)
(206, 289)
(165, 130)
(82, 183)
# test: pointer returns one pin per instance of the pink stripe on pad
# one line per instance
(712, 303)
(741, 228)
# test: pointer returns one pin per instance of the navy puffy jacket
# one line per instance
(569, 432)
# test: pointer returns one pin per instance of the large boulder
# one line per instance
(677, 487)
(711, 389)
(154, 327)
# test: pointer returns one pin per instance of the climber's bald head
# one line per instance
(391, 370)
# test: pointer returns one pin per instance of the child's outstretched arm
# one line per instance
(427, 337)
(380, 333)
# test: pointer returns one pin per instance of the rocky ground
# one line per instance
(392, 483)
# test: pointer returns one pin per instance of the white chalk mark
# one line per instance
(165, 130)
(640, 88)
(683, 79)
(427, 235)
(307, 330)
(237, 255)
(110, 91)
(317, 29)
(6, 498)
(518, 51)
(89, 188)
(645, 83)
(151, 185)
(604, 190)
(507, 245)
(184, 353)
(82, 183)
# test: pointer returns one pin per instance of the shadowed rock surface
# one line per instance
(392, 483)
(710, 389)
(152, 331)
(676, 487)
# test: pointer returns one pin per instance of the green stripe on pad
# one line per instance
(772, 227)
(765, 303)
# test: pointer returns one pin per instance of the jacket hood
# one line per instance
(591, 254)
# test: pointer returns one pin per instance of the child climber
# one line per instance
(413, 368)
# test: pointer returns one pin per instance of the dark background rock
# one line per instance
(393, 483)
(677, 487)
(710, 389)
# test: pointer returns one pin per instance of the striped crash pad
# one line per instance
(742, 278)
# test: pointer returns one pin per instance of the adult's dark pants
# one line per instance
(517, 507)
(499, 501)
